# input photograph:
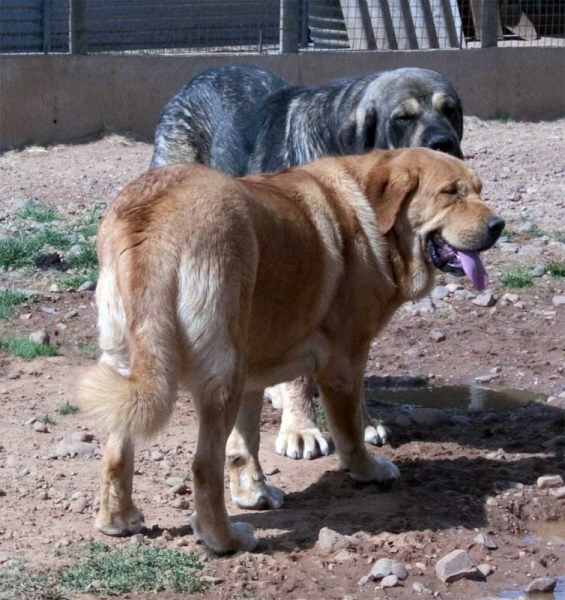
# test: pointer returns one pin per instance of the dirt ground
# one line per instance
(474, 469)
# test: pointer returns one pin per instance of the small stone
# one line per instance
(454, 566)
(95, 584)
(486, 378)
(76, 250)
(166, 535)
(420, 588)
(549, 481)
(509, 247)
(437, 336)
(486, 541)
(496, 370)
(40, 427)
(512, 298)
(559, 493)
(137, 539)
(527, 227)
(389, 581)
(156, 456)
(558, 300)
(428, 417)
(343, 556)
(485, 570)
(382, 568)
(179, 489)
(79, 505)
(331, 541)
(538, 271)
(54, 288)
(179, 503)
(43, 495)
(415, 352)
(71, 314)
(174, 481)
(440, 292)
(87, 286)
(60, 327)
(485, 300)
(453, 287)
(543, 584)
(399, 570)
(81, 436)
(40, 337)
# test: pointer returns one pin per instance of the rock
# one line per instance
(485, 300)
(543, 584)
(454, 566)
(527, 227)
(72, 448)
(559, 493)
(437, 336)
(486, 378)
(179, 489)
(40, 427)
(71, 314)
(538, 271)
(440, 292)
(549, 481)
(389, 581)
(512, 298)
(81, 436)
(415, 352)
(555, 442)
(87, 286)
(75, 250)
(54, 288)
(79, 505)
(382, 568)
(399, 570)
(485, 570)
(40, 337)
(486, 541)
(343, 556)
(137, 539)
(43, 495)
(428, 417)
(509, 247)
(420, 588)
(156, 456)
(174, 481)
(558, 300)
(453, 287)
(331, 541)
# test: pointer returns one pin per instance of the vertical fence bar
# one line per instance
(77, 28)
(304, 24)
(489, 23)
(46, 15)
(289, 26)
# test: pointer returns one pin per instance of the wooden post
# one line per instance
(489, 23)
(46, 10)
(289, 26)
(77, 27)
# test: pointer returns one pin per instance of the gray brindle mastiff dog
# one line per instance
(242, 120)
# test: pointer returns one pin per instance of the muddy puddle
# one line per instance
(415, 391)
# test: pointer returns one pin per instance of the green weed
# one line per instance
(9, 299)
(517, 277)
(40, 213)
(23, 348)
(67, 409)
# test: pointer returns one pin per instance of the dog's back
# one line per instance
(206, 121)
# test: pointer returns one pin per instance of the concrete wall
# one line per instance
(47, 99)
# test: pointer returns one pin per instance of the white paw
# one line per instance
(261, 497)
(302, 443)
(375, 469)
(375, 433)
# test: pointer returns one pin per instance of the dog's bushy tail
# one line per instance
(137, 403)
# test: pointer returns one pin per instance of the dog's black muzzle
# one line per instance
(444, 142)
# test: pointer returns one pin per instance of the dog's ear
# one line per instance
(390, 194)
(359, 132)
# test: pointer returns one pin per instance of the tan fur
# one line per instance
(226, 286)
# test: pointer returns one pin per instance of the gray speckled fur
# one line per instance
(242, 119)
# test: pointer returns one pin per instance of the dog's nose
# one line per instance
(495, 225)
(443, 144)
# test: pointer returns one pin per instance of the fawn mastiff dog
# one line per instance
(225, 286)
(242, 119)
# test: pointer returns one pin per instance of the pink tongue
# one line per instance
(474, 268)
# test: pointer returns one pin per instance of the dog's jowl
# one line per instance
(225, 286)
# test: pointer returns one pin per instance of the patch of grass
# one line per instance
(87, 259)
(518, 277)
(320, 418)
(68, 409)
(508, 233)
(9, 299)
(47, 419)
(88, 225)
(75, 281)
(138, 568)
(40, 213)
(503, 117)
(20, 250)
(25, 585)
(88, 348)
(556, 269)
(23, 348)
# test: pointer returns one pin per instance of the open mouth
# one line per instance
(457, 262)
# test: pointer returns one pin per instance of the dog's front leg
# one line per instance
(217, 412)
(299, 437)
(342, 395)
(247, 481)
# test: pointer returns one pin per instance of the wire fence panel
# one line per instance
(268, 26)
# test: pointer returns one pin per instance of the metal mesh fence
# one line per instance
(275, 26)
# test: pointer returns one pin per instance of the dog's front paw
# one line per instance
(375, 469)
(240, 537)
(375, 433)
(259, 496)
(302, 442)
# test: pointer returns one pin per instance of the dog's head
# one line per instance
(405, 108)
(431, 205)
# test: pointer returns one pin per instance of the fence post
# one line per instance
(289, 26)
(489, 23)
(46, 10)
(77, 29)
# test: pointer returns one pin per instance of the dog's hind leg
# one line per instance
(341, 388)
(217, 411)
(247, 481)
